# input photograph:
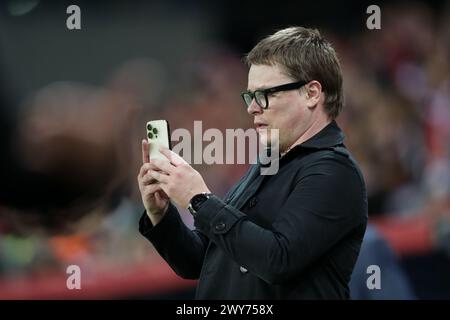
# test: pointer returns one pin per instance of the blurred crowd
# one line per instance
(75, 148)
(397, 108)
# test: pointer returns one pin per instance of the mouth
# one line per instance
(260, 126)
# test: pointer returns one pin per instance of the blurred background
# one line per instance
(73, 108)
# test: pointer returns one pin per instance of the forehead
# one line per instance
(264, 76)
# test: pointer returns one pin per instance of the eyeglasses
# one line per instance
(260, 95)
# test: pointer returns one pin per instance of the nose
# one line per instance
(254, 108)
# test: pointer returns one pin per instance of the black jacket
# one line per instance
(292, 235)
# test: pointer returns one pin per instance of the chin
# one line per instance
(263, 138)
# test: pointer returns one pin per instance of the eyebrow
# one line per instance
(260, 88)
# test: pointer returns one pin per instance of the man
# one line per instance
(292, 235)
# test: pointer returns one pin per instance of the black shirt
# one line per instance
(292, 235)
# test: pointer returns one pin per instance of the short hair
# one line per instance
(305, 56)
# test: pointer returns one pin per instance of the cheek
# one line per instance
(286, 121)
(289, 129)
(292, 124)
(289, 113)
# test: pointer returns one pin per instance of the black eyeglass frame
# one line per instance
(266, 92)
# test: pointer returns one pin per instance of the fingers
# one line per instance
(145, 151)
(152, 188)
(160, 177)
(174, 158)
(142, 171)
(160, 195)
(163, 165)
(145, 168)
(146, 177)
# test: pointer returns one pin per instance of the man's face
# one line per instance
(288, 110)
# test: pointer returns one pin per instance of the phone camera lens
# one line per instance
(150, 135)
(155, 131)
(149, 127)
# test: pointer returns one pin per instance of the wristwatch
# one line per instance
(197, 201)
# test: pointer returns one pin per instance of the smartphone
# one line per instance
(158, 134)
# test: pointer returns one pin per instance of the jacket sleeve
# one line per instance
(326, 203)
(183, 249)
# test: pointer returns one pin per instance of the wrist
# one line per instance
(156, 216)
(157, 212)
(197, 201)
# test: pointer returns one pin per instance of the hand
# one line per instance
(155, 200)
(177, 178)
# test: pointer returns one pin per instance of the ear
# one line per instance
(313, 91)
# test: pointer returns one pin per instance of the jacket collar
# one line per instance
(329, 136)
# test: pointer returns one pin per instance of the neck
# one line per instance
(311, 131)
